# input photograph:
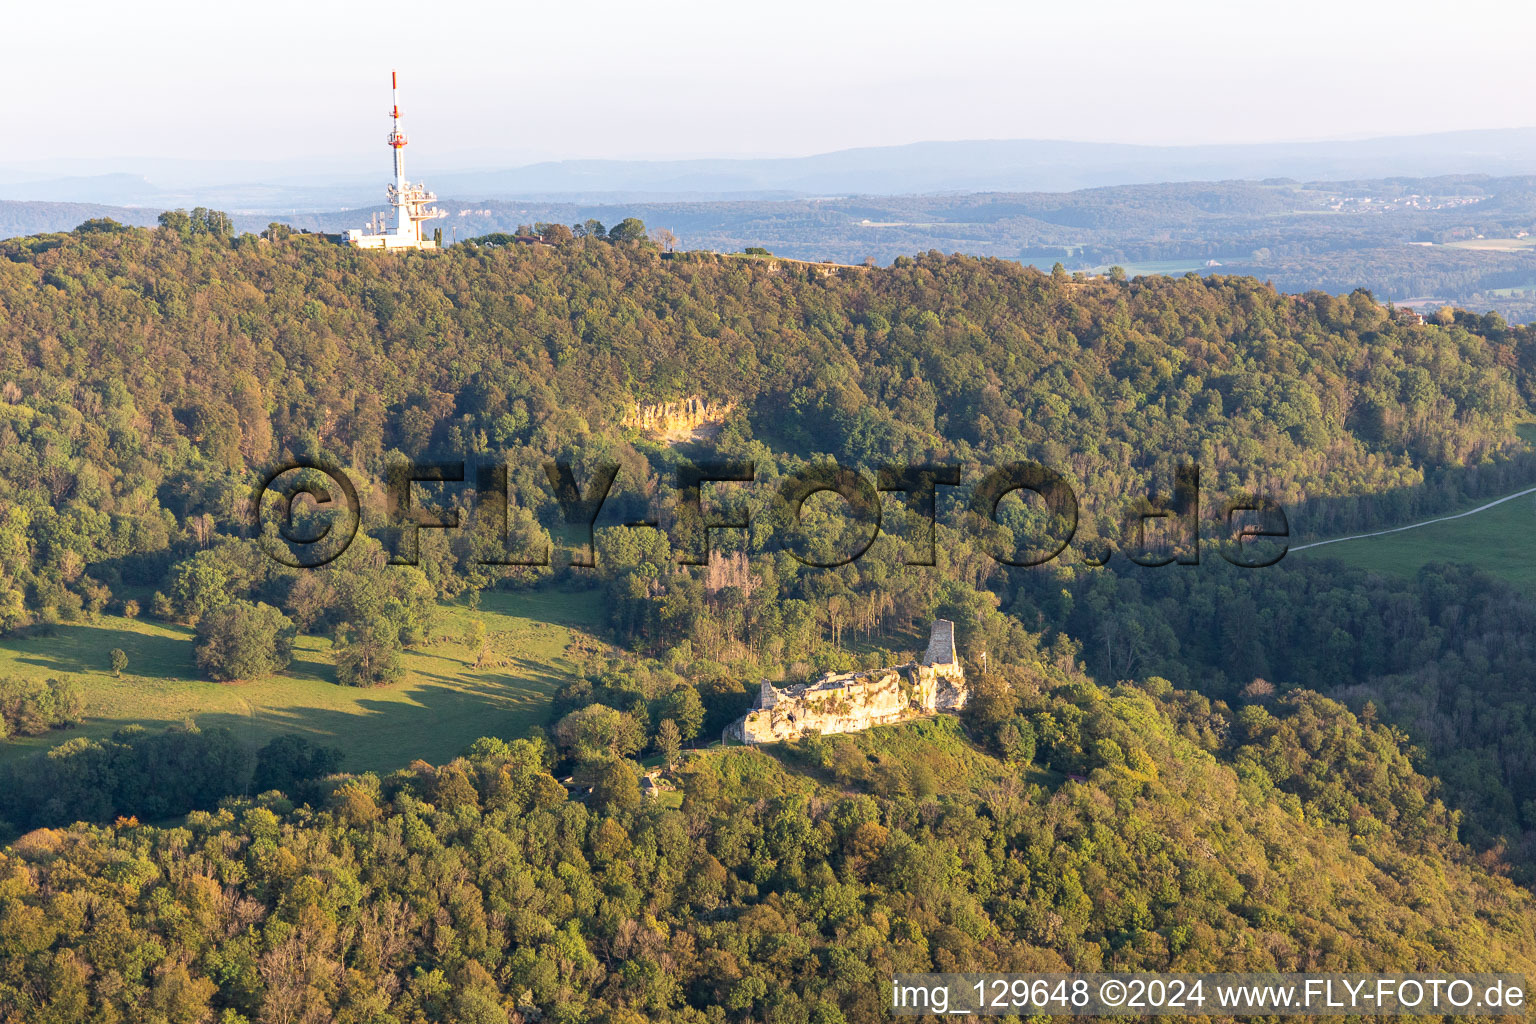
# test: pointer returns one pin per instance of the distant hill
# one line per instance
(1462, 240)
(1018, 165)
(93, 188)
(1008, 165)
(41, 218)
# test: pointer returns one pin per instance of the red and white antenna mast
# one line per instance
(412, 203)
(397, 142)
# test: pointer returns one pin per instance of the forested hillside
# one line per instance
(1173, 768)
(479, 892)
(149, 372)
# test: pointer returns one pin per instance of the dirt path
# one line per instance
(1415, 526)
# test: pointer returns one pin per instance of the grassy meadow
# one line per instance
(441, 705)
(1500, 541)
(1494, 244)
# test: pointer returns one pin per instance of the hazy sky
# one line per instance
(492, 83)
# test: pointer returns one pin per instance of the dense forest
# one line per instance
(1176, 767)
(149, 373)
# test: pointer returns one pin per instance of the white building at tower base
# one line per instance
(411, 200)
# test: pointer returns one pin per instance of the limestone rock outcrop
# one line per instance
(678, 420)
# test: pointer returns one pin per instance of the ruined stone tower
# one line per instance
(941, 644)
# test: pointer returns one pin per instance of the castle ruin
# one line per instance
(850, 701)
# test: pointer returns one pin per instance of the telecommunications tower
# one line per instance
(412, 202)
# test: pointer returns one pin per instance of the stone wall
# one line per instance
(851, 701)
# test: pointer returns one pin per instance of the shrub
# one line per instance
(31, 707)
(150, 775)
(290, 762)
(368, 655)
(630, 229)
(242, 640)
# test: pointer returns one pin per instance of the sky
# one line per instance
(498, 84)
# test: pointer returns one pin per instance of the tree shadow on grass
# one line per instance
(436, 722)
(86, 647)
(310, 665)
(572, 605)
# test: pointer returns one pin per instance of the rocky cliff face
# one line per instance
(690, 418)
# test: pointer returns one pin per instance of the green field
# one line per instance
(1494, 244)
(441, 706)
(1500, 541)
